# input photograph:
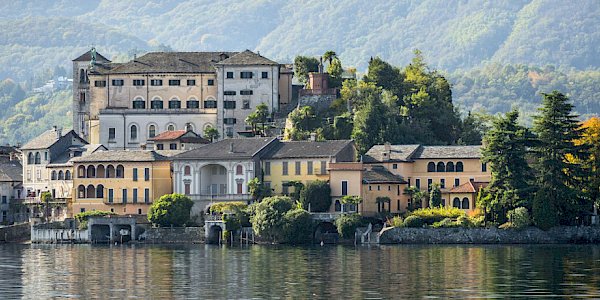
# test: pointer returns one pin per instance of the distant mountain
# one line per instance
(465, 39)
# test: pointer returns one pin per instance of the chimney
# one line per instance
(313, 137)
(231, 147)
(387, 147)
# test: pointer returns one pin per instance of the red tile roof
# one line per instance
(168, 135)
(469, 187)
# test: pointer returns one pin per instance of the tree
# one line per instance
(435, 196)
(45, 198)
(335, 70)
(258, 190)
(259, 116)
(472, 129)
(268, 216)
(352, 201)
(416, 197)
(298, 226)
(316, 197)
(346, 224)
(329, 56)
(304, 65)
(342, 127)
(559, 179)
(298, 187)
(170, 210)
(505, 151)
(591, 164)
(303, 121)
(211, 133)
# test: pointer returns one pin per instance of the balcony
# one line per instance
(158, 111)
(36, 200)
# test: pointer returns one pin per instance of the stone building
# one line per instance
(121, 105)
(11, 187)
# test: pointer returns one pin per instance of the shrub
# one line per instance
(518, 218)
(478, 221)
(347, 224)
(413, 221)
(464, 221)
(267, 217)
(223, 207)
(318, 195)
(544, 211)
(446, 223)
(83, 217)
(435, 214)
(396, 221)
(298, 226)
(170, 210)
(435, 196)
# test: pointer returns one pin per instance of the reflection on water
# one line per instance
(209, 272)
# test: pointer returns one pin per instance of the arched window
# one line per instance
(189, 127)
(239, 170)
(91, 172)
(81, 191)
(81, 172)
(90, 192)
(100, 171)
(338, 205)
(81, 76)
(459, 166)
(110, 171)
(443, 202)
(156, 103)
(133, 130)
(120, 171)
(456, 202)
(193, 103)
(174, 103)
(100, 191)
(187, 170)
(139, 103)
(68, 175)
(450, 167)
(441, 167)
(171, 127)
(151, 131)
(61, 175)
(431, 167)
(53, 175)
(465, 203)
(38, 158)
(210, 103)
(30, 158)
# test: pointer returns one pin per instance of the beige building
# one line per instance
(121, 105)
(120, 181)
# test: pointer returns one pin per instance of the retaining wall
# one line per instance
(15, 233)
(42, 235)
(175, 235)
(530, 235)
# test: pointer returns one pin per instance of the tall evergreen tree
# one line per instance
(558, 178)
(505, 150)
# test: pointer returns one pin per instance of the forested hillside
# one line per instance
(495, 53)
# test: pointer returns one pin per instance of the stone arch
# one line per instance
(100, 171)
(325, 232)
(431, 167)
(81, 191)
(67, 175)
(38, 158)
(214, 234)
(110, 171)
(441, 167)
(170, 127)
(450, 167)
(100, 191)
(90, 191)
(81, 172)
(91, 172)
(30, 159)
(61, 175)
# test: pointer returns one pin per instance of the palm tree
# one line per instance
(329, 55)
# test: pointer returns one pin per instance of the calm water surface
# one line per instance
(268, 272)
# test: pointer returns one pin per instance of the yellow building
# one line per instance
(303, 161)
(122, 181)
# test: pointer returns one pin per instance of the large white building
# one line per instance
(121, 105)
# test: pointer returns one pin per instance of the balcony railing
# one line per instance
(159, 110)
(36, 200)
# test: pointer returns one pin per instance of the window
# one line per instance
(160, 147)
(309, 167)
(456, 203)
(61, 175)
(186, 188)
(117, 82)
(344, 187)
(443, 183)
(211, 82)
(156, 103)
(38, 158)
(239, 170)
(268, 168)
(245, 74)
(146, 174)
(229, 104)
(53, 175)
(209, 103)
(456, 181)
(431, 167)
(133, 132)
(298, 168)
(100, 191)
(265, 75)
(146, 196)
(246, 104)
(323, 167)
(4, 201)
(173, 146)
(156, 82)
(139, 211)
(189, 127)
(82, 210)
(465, 203)
(45, 156)
(378, 187)
(134, 198)
(151, 131)
(139, 103)
(230, 121)
(429, 183)
(174, 82)
(187, 171)
(120, 172)
(30, 158)
(229, 131)
(459, 166)
(246, 92)
(484, 167)
(174, 103)
(370, 189)
(240, 188)
(171, 127)
(193, 103)
(100, 83)
(68, 175)
(285, 189)
(394, 166)
(229, 93)
(441, 167)
(229, 75)
(285, 168)
(124, 192)
(191, 82)
(139, 82)
(111, 134)
(450, 167)
(135, 174)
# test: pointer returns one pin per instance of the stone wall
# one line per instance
(15, 233)
(531, 235)
(318, 102)
(175, 235)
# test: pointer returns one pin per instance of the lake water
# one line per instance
(270, 272)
